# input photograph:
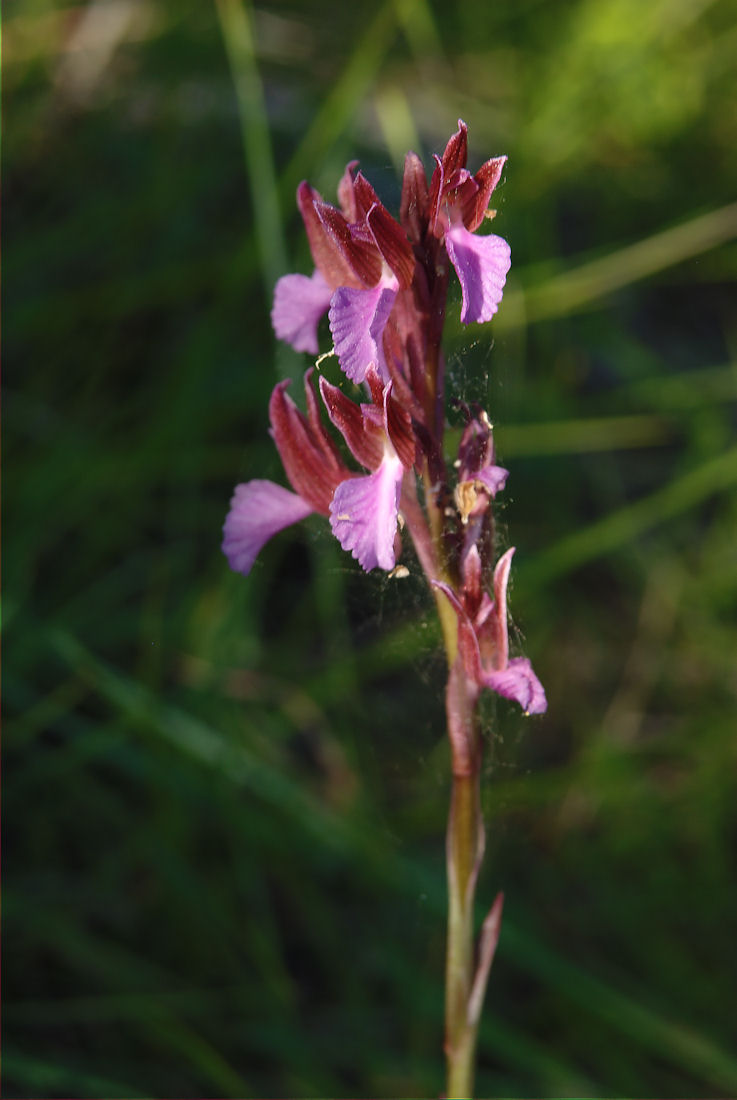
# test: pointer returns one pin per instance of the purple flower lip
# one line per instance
(299, 303)
(357, 322)
(258, 511)
(481, 264)
(364, 513)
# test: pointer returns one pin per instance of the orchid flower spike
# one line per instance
(383, 284)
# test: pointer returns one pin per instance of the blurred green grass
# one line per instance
(224, 800)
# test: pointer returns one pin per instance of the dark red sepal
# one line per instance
(326, 444)
(346, 192)
(366, 196)
(456, 151)
(364, 440)
(310, 461)
(358, 249)
(392, 243)
(375, 385)
(325, 248)
(436, 191)
(474, 208)
(400, 431)
(414, 208)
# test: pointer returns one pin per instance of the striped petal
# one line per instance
(357, 321)
(363, 514)
(518, 681)
(481, 264)
(299, 303)
(258, 510)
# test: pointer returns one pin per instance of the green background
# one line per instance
(224, 799)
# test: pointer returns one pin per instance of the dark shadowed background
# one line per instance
(225, 799)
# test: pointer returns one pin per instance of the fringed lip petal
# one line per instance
(357, 322)
(258, 510)
(518, 681)
(299, 303)
(481, 264)
(364, 511)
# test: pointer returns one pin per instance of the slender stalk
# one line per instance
(462, 839)
(464, 849)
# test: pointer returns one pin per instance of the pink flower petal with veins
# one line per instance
(518, 681)
(481, 264)
(357, 321)
(363, 514)
(299, 303)
(258, 510)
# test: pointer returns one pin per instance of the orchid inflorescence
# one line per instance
(384, 285)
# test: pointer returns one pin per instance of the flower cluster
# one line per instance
(383, 284)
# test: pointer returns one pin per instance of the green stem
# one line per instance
(464, 848)
(462, 852)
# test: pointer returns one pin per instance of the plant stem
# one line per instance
(460, 1036)
(464, 848)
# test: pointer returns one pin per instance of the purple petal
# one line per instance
(481, 264)
(357, 320)
(363, 514)
(494, 478)
(299, 303)
(517, 681)
(257, 511)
